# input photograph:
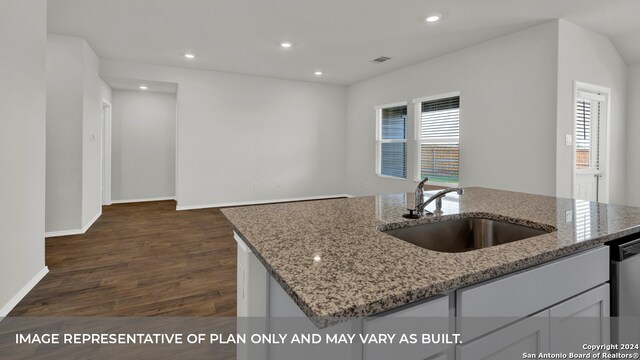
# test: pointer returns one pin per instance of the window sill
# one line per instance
(391, 177)
(439, 183)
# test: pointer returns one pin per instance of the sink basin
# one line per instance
(462, 235)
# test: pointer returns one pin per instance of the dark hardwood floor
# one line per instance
(140, 259)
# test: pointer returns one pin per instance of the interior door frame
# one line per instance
(603, 191)
(105, 158)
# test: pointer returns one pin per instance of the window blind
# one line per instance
(392, 141)
(393, 161)
(439, 152)
(394, 123)
(587, 128)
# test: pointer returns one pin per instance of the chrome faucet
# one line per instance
(421, 204)
(419, 193)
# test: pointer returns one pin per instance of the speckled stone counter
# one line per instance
(333, 260)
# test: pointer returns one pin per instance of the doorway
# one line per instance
(105, 151)
(591, 145)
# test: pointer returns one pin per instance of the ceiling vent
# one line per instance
(380, 60)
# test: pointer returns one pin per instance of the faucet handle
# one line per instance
(413, 214)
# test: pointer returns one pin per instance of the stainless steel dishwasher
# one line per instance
(625, 288)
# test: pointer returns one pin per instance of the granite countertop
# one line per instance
(332, 259)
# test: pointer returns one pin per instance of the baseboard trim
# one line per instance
(74, 231)
(142, 200)
(258, 202)
(90, 223)
(63, 233)
(6, 309)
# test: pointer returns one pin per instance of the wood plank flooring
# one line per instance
(140, 259)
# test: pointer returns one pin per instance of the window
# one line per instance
(438, 138)
(588, 113)
(391, 140)
(583, 134)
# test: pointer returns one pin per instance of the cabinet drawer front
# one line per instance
(581, 320)
(431, 317)
(529, 291)
(529, 335)
(438, 306)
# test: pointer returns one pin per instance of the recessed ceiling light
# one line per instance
(433, 18)
(143, 87)
(189, 56)
(318, 73)
(286, 44)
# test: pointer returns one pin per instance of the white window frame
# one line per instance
(417, 114)
(380, 141)
(578, 87)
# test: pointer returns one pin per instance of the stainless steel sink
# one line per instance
(464, 234)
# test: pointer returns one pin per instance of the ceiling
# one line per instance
(338, 37)
(152, 86)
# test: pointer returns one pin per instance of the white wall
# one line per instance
(22, 146)
(105, 91)
(64, 133)
(237, 131)
(106, 95)
(144, 145)
(74, 111)
(633, 131)
(91, 137)
(589, 57)
(507, 120)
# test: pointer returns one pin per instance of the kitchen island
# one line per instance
(333, 260)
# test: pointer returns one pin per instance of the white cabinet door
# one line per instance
(429, 317)
(581, 320)
(285, 317)
(529, 335)
(253, 282)
(252, 301)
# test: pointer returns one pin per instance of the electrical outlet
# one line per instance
(568, 139)
(568, 216)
